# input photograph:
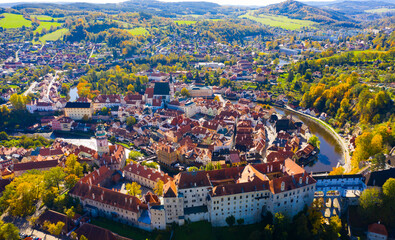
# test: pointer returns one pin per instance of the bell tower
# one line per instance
(101, 140)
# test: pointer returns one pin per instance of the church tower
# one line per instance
(101, 140)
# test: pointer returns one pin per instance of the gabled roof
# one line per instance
(161, 88)
(378, 228)
(78, 105)
(35, 165)
(94, 232)
(192, 179)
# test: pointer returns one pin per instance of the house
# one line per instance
(166, 153)
(78, 110)
(39, 106)
(200, 91)
(91, 231)
(62, 124)
(377, 231)
(108, 101)
(55, 217)
(162, 91)
(378, 178)
(144, 175)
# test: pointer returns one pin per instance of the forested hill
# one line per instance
(298, 10)
(152, 6)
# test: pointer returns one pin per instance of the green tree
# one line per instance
(54, 177)
(193, 169)
(185, 92)
(230, 220)
(378, 162)
(9, 231)
(370, 202)
(130, 121)
(314, 141)
(240, 221)
(389, 190)
(73, 166)
(133, 189)
(135, 155)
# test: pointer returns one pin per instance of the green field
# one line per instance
(44, 18)
(138, 31)
(185, 22)
(380, 10)
(53, 36)
(14, 21)
(46, 25)
(279, 21)
(123, 24)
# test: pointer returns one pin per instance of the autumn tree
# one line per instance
(133, 189)
(185, 92)
(158, 189)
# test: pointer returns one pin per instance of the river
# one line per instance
(330, 150)
(73, 94)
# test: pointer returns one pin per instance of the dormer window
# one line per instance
(300, 180)
(282, 186)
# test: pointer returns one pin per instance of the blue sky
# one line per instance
(222, 2)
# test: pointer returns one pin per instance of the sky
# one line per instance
(222, 2)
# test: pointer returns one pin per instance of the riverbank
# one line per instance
(346, 154)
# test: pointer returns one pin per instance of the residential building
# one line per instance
(78, 110)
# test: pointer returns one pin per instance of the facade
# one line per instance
(77, 110)
(166, 154)
(377, 231)
(147, 177)
(62, 124)
(101, 140)
(200, 91)
(243, 192)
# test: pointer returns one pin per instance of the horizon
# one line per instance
(220, 2)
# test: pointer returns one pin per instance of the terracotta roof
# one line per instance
(35, 165)
(229, 189)
(97, 176)
(170, 189)
(192, 179)
(106, 196)
(378, 228)
(146, 172)
(92, 232)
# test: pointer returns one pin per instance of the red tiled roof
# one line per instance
(148, 173)
(378, 228)
(35, 165)
(192, 179)
(106, 196)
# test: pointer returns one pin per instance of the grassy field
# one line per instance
(14, 21)
(46, 25)
(138, 31)
(185, 22)
(53, 36)
(204, 230)
(45, 18)
(123, 24)
(279, 21)
(127, 231)
(380, 10)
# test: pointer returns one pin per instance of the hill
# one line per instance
(150, 6)
(298, 10)
(358, 7)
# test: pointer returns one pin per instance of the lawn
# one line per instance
(128, 231)
(14, 21)
(204, 230)
(53, 36)
(46, 25)
(138, 31)
(185, 22)
(279, 21)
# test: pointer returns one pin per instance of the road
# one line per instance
(90, 55)
(347, 163)
(31, 87)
